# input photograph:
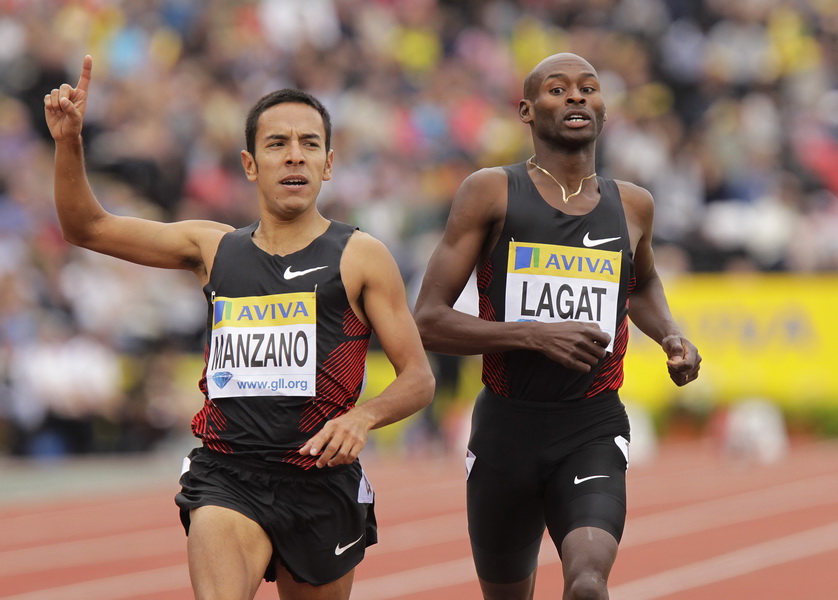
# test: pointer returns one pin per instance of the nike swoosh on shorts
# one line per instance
(341, 549)
(577, 480)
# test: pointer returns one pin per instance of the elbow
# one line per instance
(426, 384)
(420, 316)
(422, 382)
(426, 389)
(432, 341)
(426, 326)
(73, 238)
(82, 228)
(80, 240)
(77, 234)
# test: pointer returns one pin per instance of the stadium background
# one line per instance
(726, 111)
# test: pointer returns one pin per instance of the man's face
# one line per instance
(290, 161)
(565, 104)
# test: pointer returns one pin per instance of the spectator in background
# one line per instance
(420, 91)
(73, 381)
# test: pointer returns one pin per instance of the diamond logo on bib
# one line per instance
(263, 346)
(221, 378)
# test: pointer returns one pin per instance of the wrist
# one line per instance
(366, 415)
(670, 339)
(70, 143)
(527, 338)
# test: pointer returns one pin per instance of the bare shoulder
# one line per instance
(637, 201)
(487, 178)
(212, 231)
(481, 198)
(365, 257)
(205, 229)
(488, 182)
(360, 243)
(193, 229)
(631, 192)
(216, 226)
(368, 271)
(205, 236)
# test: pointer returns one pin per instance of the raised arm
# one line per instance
(85, 223)
(648, 308)
(371, 275)
(473, 227)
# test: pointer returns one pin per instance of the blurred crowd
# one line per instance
(727, 111)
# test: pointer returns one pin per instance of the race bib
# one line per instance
(263, 346)
(550, 283)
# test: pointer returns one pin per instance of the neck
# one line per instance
(278, 236)
(568, 166)
(567, 194)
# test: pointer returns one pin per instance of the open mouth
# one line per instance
(577, 120)
(294, 181)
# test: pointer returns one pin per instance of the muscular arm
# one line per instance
(648, 308)
(84, 222)
(477, 212)
(371, 275)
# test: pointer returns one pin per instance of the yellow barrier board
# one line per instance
(760, 335)
(763, 335)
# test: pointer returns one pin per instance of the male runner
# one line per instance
(558, 251)
(276, 490)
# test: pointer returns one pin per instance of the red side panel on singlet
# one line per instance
(278, 326)
(550, 266)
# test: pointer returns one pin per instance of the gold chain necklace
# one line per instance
(565, 197)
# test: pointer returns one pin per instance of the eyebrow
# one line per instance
(284, 137)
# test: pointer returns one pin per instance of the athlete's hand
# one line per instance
(683, 359)
(340, 441)
(575, 345)
(64, 107)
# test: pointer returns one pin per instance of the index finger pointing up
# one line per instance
(84, 78)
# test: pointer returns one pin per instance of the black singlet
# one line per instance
(551, 266)
(285, 352)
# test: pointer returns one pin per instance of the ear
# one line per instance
(249, 165)
(525, 110)
(327, 168)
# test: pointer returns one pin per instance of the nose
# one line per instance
(295, 154)
(575, 96)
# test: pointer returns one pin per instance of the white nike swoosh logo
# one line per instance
(341, 549)
(589, 243)
(577, 481)
(289, 274)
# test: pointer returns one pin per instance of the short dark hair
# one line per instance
(279, 97)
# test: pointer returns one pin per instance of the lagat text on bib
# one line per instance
(550, 283)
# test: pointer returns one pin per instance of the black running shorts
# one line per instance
(319, 521)
(533, 464)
